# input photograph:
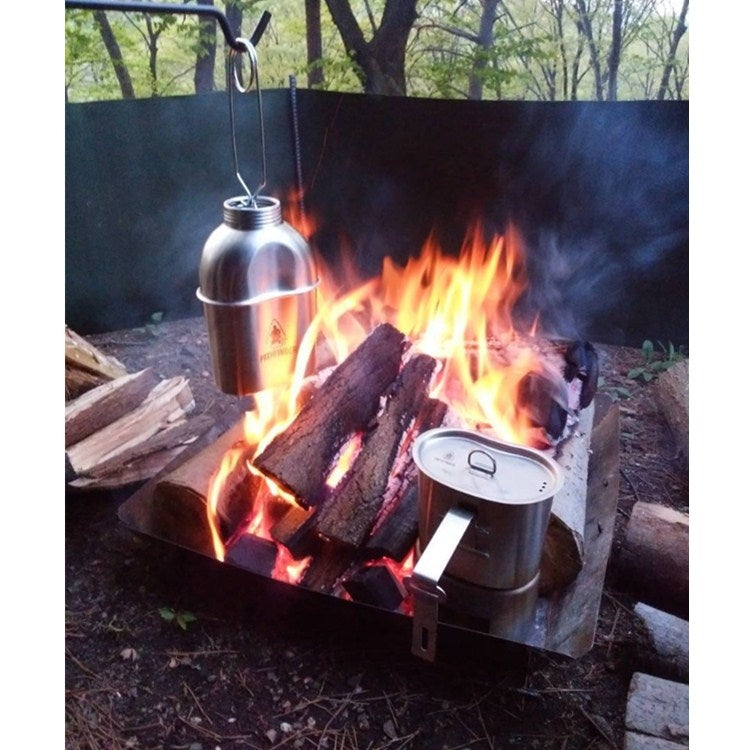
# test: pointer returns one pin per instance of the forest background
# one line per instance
(458, 49)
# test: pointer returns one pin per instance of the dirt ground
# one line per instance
(252, 669)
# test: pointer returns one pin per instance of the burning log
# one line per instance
(180, 499)
(347, 516)
(104, 404)
(300, 458)
(296, 531)
(376, 585)
(396, 528)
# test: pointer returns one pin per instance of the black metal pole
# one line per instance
(197, 10)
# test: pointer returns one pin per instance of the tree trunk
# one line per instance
(588, 33)
(486, 25)
(314, 43)
(381, 62)
(206, 54)
(679, 31)
(115, 55)
(614, 51)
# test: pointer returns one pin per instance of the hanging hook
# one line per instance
(233, 81)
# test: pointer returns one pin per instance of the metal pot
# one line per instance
(484, 506)
(257, 285)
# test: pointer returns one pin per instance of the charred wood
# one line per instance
(582, 362)
(252, 553)
(396, 528)
(327, 567)
(300, 457)
(350, 512)
(375, 585)
(296, 531)
(545, 402)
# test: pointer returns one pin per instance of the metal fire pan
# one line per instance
(564, 623)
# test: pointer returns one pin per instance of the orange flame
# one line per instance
(456, 309)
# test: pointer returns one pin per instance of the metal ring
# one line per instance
(478, 467)
(250, 49)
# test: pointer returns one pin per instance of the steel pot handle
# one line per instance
(484, 469)
(423, 583)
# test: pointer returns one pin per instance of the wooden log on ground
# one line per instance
(636, 741)
(654, 560)
(104, 404)
(179, 511)
(669, 637)
(657, 708)
(673, 398)
(168, 402)
(299, 459)
(562, 556)
(348, 515)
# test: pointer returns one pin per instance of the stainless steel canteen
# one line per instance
(257, 285)
(257, 275)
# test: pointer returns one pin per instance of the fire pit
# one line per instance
(316, 488)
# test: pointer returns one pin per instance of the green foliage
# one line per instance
(655, 362)
(181, 618)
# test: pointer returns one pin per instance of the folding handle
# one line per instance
(423, 583)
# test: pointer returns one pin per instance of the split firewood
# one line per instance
(296, 531)
(167, 403)
(104, 404)
(348, 515)
(86, 366)
(300, 458)
(657, 709)
(327, 567)
(654, 560)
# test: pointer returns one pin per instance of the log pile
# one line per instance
(357, 530)
(121, 428)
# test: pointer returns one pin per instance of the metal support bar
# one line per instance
(166, 8)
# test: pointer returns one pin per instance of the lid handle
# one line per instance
(478, 465)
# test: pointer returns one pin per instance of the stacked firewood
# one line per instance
(120, 427)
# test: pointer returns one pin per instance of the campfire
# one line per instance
(317, 486)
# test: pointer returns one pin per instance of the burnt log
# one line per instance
(545, 401)
(582, 362)
(348, 515)
(296, 531)
(654, 560)
(252, 553)
(300, 458)
(376, 585)
(326, 568)
(396, 527)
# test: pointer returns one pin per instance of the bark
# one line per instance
(380, 62)
(104, 404)
(679, 31)
(115, 55)
(314, 38)
(588, 33)
(615, 51)
(654, 560)
(485, 41)
(673, 396)
(82, 355)
(206, 55)
(348, 515)
(301, 456)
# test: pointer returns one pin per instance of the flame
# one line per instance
(458, 309)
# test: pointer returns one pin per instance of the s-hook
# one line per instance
(233, 81)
